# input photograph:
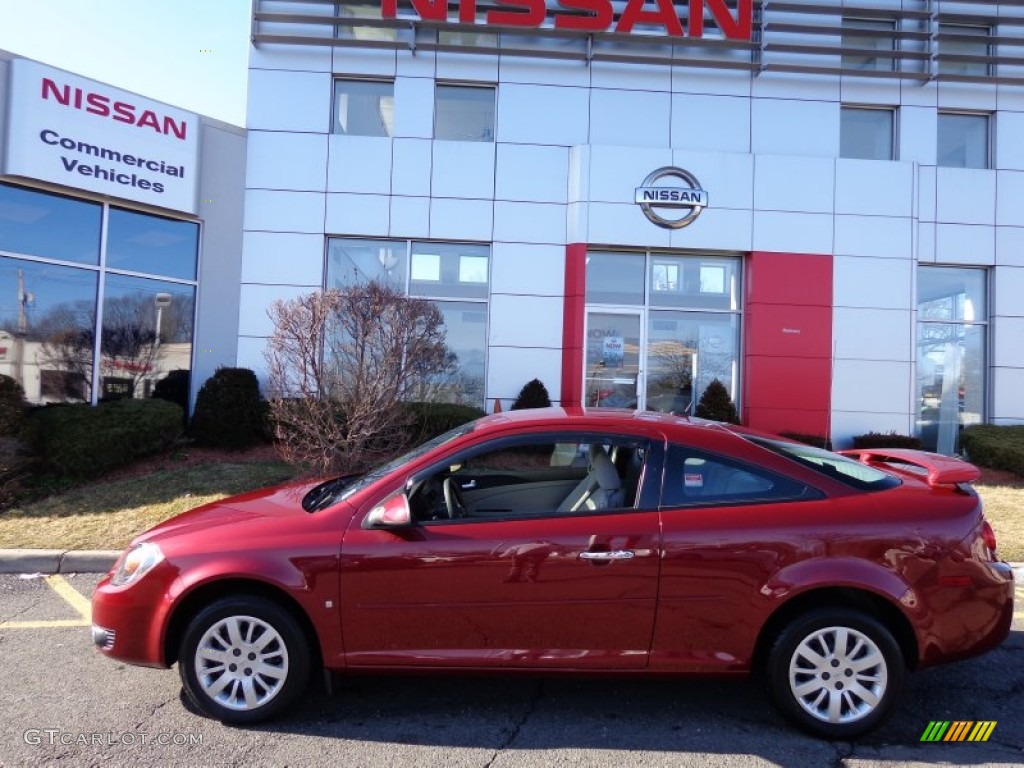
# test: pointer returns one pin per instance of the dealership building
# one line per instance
(817, 204)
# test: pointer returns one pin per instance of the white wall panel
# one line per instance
(792, 127)
(364, 61)
(410, 217)
(1008, 383)
(794, 183)
(967, 96)
(918, 95)
(526, 321)
(860, 90)
(926, 181)
(1007, 348)
(847, 425)
(532, 173)
(543, 114)
(579, 173)
(1010, 197)
(577, 223)
(266, 167)
(529, 222)
(786, 85)
(253, 319)
(358, 214)
(727, 177)
(965, 196)
(872, 283)
(716, 229)
(636, 77)
(509, 368)
(414, 107)
(633, 118)
(250, 355)
(461, 219)
(917, 135)
(716, 123)
(468, 67)
(624, 224)
(964, 244)
(411, 164)
(874, 187)
(793, 232)
(615, 172)
(876, 236)
(284, 211)
(1009, 152)
(872, 334)
(528, 269)
(710, 81)
(360, 164)
(463, 169)
(871, 386)
(516, 69)
(282, 100)
(282, 258)
(1010, 246)
(1009, 289)
(416, 63)
(926, 242)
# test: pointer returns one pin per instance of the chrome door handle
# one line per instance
(468, 486)
(617, 554)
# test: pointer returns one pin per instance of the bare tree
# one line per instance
(341, 363)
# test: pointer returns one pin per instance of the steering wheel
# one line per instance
(453, 499)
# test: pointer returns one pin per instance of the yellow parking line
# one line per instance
(71, 596)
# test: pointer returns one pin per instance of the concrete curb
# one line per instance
(50, 561)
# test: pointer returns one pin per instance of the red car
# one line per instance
(576, 541)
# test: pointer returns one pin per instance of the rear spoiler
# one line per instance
(942, 470)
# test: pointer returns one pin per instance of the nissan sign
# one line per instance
(654, 198)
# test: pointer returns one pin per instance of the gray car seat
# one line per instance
(600, 489)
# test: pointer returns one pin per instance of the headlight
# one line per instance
(136, 563)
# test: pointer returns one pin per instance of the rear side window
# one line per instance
(693, 478)
(842, 468)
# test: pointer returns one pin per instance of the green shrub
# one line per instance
(818, 441)
(85, 441)
(431, 419)
(886, 440)
(996, 447)
(533, 395)
(715, 404)
(230, 413)
(174, 388)
(12, 406)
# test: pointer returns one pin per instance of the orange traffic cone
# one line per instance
(497, 405)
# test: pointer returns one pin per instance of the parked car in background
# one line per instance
(587, 541)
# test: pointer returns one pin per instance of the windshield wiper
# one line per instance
(323, 495)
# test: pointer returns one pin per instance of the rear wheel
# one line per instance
(243, 660)
(836, 672)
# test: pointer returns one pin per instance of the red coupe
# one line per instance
(581, 541)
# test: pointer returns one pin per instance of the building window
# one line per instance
(660, 328)
(963, 140)
(364, 107)
(455, 276)
(50, 311)
(464, 113)
(869, 36)
(867, 133)
(964, 50)
(952, 319)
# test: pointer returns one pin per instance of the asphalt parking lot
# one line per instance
(64, 703)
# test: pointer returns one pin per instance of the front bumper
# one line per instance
(129, 621)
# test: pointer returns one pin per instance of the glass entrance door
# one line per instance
(612, 364)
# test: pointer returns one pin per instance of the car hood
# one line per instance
(270, 505)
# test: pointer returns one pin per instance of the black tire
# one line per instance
(264, 664)
(835, 672)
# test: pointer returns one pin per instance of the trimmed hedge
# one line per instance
(533, 395)
(12, 406)
(85, 441)
(886, 440)
(230, 413)
(432, 419)
(995, 447)
(818, 441)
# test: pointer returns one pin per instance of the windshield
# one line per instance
(841, 468)
(341, 488)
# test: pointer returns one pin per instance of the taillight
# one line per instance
(989, 537)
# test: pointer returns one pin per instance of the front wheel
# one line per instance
(836, 672)
(243, 660)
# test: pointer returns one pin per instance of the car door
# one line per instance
(519, 585)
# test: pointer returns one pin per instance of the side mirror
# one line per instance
(393, 512)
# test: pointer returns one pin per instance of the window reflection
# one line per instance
(350, 262)
(137, 242)
(50, 226)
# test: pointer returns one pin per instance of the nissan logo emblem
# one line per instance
(690, 198)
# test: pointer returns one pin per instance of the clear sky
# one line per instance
(189, 53)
